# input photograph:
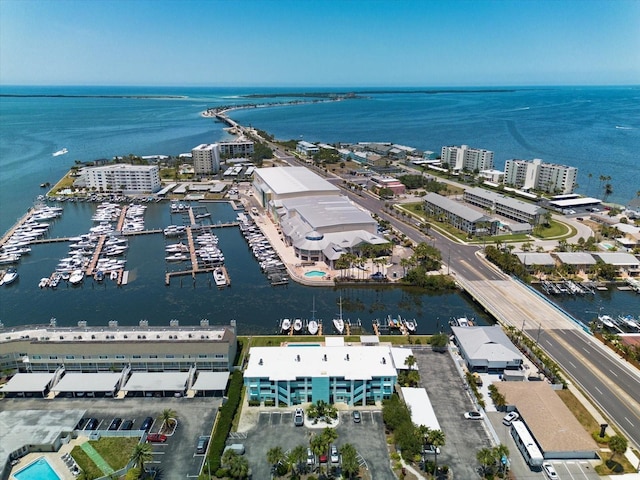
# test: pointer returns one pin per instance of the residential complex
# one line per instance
(467, 159)
(238, 148)
(460, 216)
(115, 348)
(507, 207)
(307, 148)
(536, 175)
(122, 177)
(290, 375)
(206, 158)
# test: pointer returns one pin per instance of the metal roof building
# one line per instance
(422, 413)
(289, 182)
(460, 216)
(487, 349)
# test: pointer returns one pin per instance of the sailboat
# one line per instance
(338, 323)
(312, 326)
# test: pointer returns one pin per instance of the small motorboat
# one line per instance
(297, 324)
(285, 325)
(312, 327)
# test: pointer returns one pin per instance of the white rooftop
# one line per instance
(576, 258)
(282, 180)
(289, 363)
(417, 399)
(576, 202)
(160, 381)
(208, 381)
(618, 258)
(27, 382)
(535, 258)
(88, 382)
(400, 356)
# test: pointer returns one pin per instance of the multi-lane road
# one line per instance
(611, 384)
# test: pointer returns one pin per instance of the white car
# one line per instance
(473, 415)
(510, 417)
(549, 471)
(335, 457)
(311, 458)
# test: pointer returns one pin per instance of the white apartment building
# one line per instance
(123, 177)
(206, 158)
(536, 175)
(465, 158)
(307, 148)
(238, 148)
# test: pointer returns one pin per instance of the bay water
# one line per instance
(595, 129)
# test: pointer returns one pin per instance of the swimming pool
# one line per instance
(38, 470)
(315, 273)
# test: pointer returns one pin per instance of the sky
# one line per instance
(320, 43)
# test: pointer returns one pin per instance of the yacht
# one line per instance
(60, 152)
(338, 323)
(297, 324)
(10, 276)
(219, 277)
(607, 321)
(76, 277)
(285, 325)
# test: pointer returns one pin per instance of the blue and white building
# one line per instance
(303, 373)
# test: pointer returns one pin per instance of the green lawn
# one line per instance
(116, 451)
(557, 230)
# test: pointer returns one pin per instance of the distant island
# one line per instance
(361, 93)
(48, 95)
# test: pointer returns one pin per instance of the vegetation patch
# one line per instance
(89, 469)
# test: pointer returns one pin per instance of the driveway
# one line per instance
(450, 400)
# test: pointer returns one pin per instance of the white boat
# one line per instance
(628, 320)
(44, 282)
(219, 277)
(60, 152)
(312, 327)
(461, 322)
(9, 258)
(285, 325)
(338, 323)
(76, 277)
(297, 324)
(607, 321)
(176, 257)
(10, 276)
(411, 325)
(113, 275)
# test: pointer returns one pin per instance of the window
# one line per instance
(69, 357)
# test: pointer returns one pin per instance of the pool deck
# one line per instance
(53, 458)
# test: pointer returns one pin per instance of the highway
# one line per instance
(612, 385)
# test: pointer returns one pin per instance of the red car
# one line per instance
(156, 438)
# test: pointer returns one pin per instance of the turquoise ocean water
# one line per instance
(594, 129)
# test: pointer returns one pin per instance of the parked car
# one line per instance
(203, 441)
(92, 424)
(80, 425)
(146, 424)
(323, 458)
(431, 449)
(356, 416)
(127, 425)
(311, 458)
(473, 415)
(298, 417)
(510, 417)
(156, 438)
(549, 471)
(115, 423)
(335, 456)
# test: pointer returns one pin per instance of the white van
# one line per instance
(510, 417)
(238, 448)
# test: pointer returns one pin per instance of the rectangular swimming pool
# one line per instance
(37, 470)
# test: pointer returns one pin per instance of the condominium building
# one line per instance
(306, 148)
(505, 206)
(460, 216)
(355, 375)
(537, 175)
(237, 148)
(468, 159)
(123, 177)
(206, 158)
(114, 348)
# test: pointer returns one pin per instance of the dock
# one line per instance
(96, 255)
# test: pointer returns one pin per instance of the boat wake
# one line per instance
(60, 152)
(619, 127)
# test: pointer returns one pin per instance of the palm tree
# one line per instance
(275, 455)
(410, 361)
(437, 439)
(501, 451)
(487, 458)
(317, 446)
(237, 466)
(350, 465)
(141, 454)
(297, 456)
(169, 417)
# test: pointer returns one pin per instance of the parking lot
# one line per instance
(176, 457)
(450, 400)
(276, 428)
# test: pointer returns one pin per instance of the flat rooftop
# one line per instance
(283, 180)
(351, 362)
(548, 418)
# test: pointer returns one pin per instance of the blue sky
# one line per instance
(320, 43)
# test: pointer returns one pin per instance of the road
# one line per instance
(613, 386)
